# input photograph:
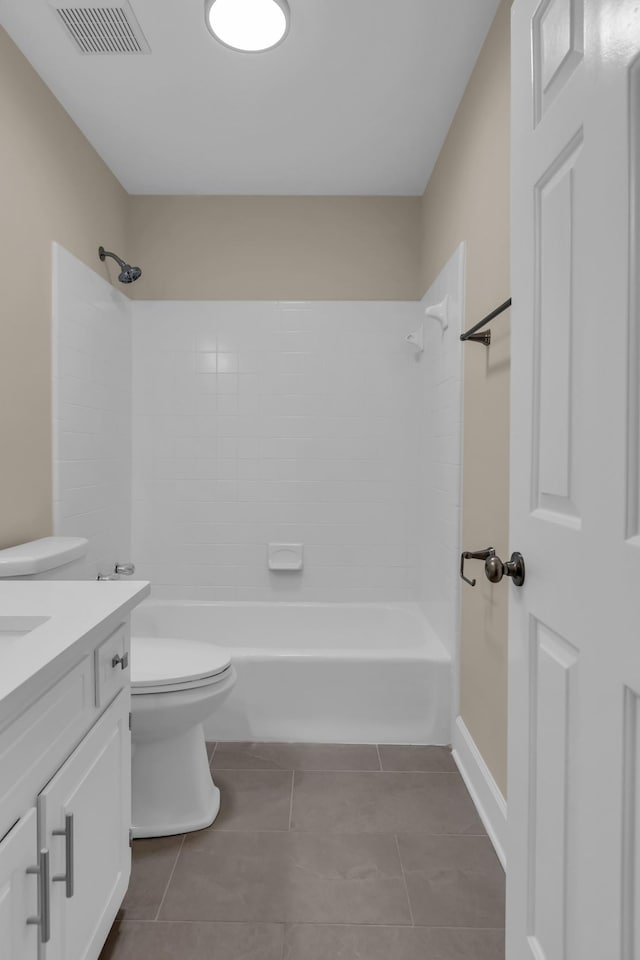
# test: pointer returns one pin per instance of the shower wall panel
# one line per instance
(440, 457)
(91, 334)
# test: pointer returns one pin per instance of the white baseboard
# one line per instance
(485, 793)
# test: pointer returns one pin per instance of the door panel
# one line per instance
(93, 786)
(574, 662)
(557, 49)
(556, 455)
(553, 679)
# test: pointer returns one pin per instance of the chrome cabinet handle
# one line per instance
(44, 920)
(123, 661)
(67, 876)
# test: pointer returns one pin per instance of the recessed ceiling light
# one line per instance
(248, 25)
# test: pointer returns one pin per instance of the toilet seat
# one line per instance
(165, 664)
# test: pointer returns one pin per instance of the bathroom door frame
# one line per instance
(573, 853)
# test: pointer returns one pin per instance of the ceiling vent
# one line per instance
(102, 29)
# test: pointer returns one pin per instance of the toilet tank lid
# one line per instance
(38, 556)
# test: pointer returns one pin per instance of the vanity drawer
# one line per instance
(112, 666)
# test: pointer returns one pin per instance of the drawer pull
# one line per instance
(67, 833)
(122, 660)
(44, 920)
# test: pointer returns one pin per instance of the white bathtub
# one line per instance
(319, 672)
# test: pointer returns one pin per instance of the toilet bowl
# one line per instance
(176, 684)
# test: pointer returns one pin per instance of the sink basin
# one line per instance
(12, 628)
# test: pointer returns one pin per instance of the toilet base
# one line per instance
(172, 787)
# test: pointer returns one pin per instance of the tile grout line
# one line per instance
(301, 923)
(399, 773)
(404, 879)
(293, 780)
(320, 770)
(349, 833)
(173, 870)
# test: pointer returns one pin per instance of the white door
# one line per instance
(84, 817)
(574, 699)
(19, 891)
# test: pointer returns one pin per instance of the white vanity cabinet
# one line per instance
(65, 784)
(84, 816)
(19, 890)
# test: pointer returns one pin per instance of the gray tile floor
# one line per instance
(321, 852)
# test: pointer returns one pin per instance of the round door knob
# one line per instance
(514, 568)
(494, 569)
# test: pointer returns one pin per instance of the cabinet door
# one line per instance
(19, 891)
(84, 816)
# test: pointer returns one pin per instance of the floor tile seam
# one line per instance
(404, 880)
(252, 830)
(405, 925)
(173, 870)
(247, 830)
(421, 833)
(351, 923)
(212, 923)
(346, 833)
(463, 926)
(395, 773)
(293, 786)
(317, 770)
(393, 831)
(308, 923)
(404, 770)
(284, 941)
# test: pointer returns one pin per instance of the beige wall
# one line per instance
(53, 186)
(276, 248)
(467, 199)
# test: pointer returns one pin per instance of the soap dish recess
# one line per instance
(285, 556)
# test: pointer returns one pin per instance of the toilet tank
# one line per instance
(50, 558)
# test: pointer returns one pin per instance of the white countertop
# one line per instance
(76, 610)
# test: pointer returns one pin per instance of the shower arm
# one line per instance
(103, 254)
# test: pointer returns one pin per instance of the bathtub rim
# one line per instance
(429, 646)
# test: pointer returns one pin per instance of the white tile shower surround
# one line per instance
(91, 347)
(257, 422)
(263, 421)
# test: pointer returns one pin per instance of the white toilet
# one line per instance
(176, 685)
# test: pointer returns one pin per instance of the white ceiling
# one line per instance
(357, 100)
